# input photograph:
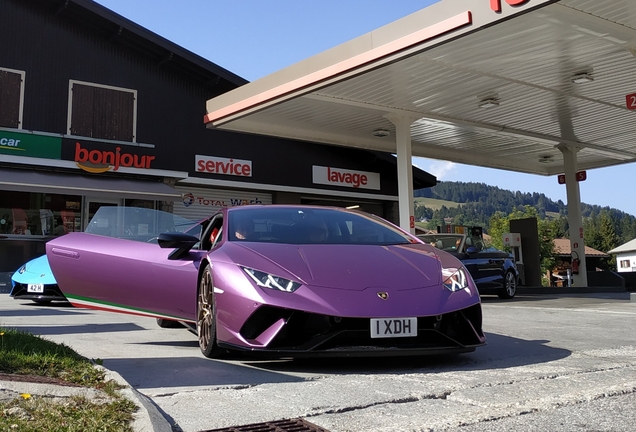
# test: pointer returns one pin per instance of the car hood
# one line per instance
(36, 271)
(346, 267)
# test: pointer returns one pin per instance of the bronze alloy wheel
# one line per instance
(206, 315)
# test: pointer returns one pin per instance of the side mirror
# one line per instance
(471, 250)
(182, 243)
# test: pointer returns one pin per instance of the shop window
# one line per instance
(102, 112)
(11, 97)
(38, 214)
(141, 203)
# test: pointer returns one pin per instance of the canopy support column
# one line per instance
(404, 171)
(575, 220)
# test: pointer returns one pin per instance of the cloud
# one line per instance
(439, 169)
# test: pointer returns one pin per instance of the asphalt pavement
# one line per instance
(553, 362)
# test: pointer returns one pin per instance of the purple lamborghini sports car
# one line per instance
(283, 281)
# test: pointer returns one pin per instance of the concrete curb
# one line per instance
(522, 290)
(148, 418)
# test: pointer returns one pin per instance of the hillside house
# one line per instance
(625, 256)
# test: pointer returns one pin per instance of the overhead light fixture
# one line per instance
(489, 103)
(381, 133)
(546, 159)
(581, 78)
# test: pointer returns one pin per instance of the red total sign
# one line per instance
(496, 4)
(630, 101)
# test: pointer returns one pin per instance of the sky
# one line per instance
(254, 38)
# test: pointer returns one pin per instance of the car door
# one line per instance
(127, 276)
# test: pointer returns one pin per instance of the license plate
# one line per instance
(35, 288)
(393, 327)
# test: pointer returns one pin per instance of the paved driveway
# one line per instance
(566, 363)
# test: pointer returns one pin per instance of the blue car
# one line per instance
(35, 281)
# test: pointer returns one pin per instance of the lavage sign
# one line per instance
(348, 178)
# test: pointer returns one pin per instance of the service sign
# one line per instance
(219, 165)
(343, 177)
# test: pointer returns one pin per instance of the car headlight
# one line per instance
(22, 269)
(455, 279)
(270, 281)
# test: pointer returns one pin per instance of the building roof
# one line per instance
(563, 248)
(630, 246)
(127, 34)
(500, 89)
(123, 32)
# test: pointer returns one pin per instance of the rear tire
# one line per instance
(165, 323)
(206, 316)
(510, 286)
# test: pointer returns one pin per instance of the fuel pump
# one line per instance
(513, 241)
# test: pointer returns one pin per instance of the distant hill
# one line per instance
(474, 204)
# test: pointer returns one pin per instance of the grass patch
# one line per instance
(435, 204)
(27, 354)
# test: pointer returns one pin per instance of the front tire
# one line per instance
(206, 316)
(510, 286)
(42, 302)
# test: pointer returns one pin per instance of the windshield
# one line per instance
(447, 242)
(456, 242)
(138, 224)
(298, 225)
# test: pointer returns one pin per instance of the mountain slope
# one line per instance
(475, 203)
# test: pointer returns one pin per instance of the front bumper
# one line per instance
(50, 293)
(312, 335)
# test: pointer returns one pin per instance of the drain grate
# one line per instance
(290, 425)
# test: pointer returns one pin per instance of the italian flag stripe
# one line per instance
(85, 302)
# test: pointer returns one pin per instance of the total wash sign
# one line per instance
(343, 177)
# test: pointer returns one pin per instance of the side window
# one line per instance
(11, 98)
(102, 112)
(212, 234)
(217, 238)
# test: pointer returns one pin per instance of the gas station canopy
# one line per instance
(494, 83)
(536, 86)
